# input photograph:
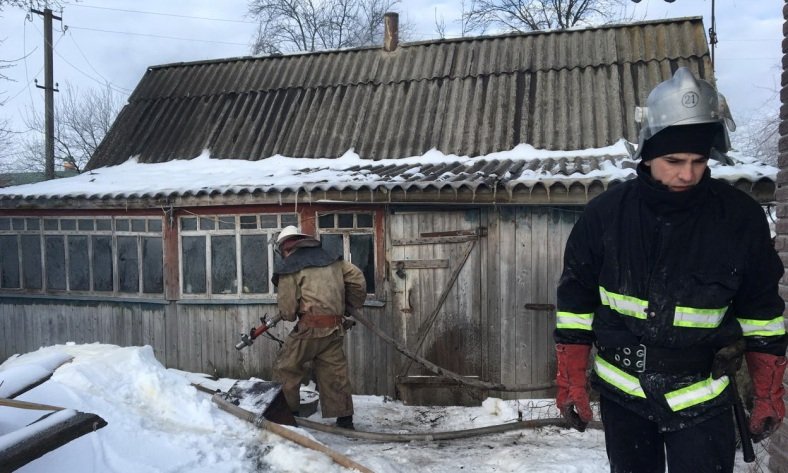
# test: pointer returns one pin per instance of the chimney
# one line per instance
(391, 31)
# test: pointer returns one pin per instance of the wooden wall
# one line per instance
(495, 322)
(191, 337)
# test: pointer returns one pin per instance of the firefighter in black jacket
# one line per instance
(672, 276)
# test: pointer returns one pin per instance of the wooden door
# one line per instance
(434, 267)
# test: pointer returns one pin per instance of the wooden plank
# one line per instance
(474, 232)
(543, 289)
(65, 426)
(433, 241)
(171, 332)
(527, 269)
(490, 310)
(420, 264)
(508, 261)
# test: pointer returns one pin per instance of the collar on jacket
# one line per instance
(304, 257)
(662, 200)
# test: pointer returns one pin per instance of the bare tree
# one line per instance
(312, 25)
(464, 27)
(532, 15)
(82, 119)
(759, 138)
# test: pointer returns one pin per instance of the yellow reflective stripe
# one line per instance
(618, 378)
(573, 320)
(762, 328)
(698, 318)
(625, 305)
(696, 393)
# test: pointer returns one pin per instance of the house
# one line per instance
(18, 178)
(450, 171)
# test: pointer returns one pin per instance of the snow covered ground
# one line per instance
(158, 422)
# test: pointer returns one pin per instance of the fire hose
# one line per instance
(444, 372)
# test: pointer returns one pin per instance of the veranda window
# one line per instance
(352, 236)
(229, 255)
(87, 255)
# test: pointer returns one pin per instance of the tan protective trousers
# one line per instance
(329, 366)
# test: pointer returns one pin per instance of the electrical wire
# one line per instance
(162, 14)
(157, 36)
(107, 82)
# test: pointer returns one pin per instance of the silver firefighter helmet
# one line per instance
(684, 100)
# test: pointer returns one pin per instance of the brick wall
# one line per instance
(779, 445)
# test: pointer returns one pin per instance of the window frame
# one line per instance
(238, 231)
(346, 233)
(50, 226)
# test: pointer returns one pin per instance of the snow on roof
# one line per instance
(522, 166)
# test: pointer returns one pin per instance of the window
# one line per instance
(229, 255)
(352, 236)
(87, 255)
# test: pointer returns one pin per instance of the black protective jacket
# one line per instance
(680, 274)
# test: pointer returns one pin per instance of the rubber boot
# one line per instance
(345, 422)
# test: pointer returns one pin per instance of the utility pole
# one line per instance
(49, 97)
(713, 34)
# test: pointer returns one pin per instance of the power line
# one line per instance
(106, 81)
(162, 14)
(157, 36)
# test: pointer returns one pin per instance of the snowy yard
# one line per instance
(158, 422)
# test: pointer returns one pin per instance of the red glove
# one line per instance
(768, 407)
(572, 380)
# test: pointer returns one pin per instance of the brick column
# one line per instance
(779, 445)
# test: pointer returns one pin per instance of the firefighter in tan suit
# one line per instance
(317, 290)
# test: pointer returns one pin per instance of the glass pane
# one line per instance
(9, 262)
(33, 223)
(345, 220)
(121, 224)
(56, 262)
(68, 224)
(152, 270)
(154, 225)
(5, 224)
(189, 223)
(248, 221)
(207, 223)
(103, 224)
(85, 224)
(362, 254)
(268, 221)
(223, 274)
(363, 220)
(193, 257)
(102, 263)
(78, 263)
(227, 222)
(50, 224)
(31, 261)
(254, 263)
(138, 224)
(333, 244)
(18, 224)
(128, 265)
(326, 221)
(289, 219)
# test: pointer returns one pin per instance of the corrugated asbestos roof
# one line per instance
(562, 179)
(560, 90)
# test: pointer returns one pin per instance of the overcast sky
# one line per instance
(115, 41)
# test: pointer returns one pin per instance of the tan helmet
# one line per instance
(684, 100)
(288, 232)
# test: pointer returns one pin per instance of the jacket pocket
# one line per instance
(706, 298)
